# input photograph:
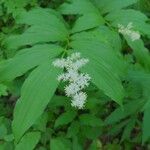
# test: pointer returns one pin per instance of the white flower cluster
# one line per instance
(128, 30)
(77, 81)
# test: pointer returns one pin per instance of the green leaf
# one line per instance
(77, 7)
(128, 109)
(87, 21)
(146, 122)
(103, 67)
(140, 52)
(140, 78)
(128, 129)
(3, 90)
(90, 120)
(65, 118)
(36, 93)
(73, 129)
(95, 145)
(28, 141)
(41, 123)
(117, 128)
(45, 26)
(101, 34)
(16, 6)
(91, 132)
(27, 59)
(124, 17)
(59, 143)
(106, 6)
(3, 131)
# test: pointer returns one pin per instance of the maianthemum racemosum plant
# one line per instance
(78, 81)
(100, 67)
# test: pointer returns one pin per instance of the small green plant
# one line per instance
(99, 49)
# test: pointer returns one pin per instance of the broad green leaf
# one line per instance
(16, 6)
(124, 17)
(129, 109)
(3, 131)
(103, 67)
(26, 60)
(77, 7)
(59, 143)
(76, 144)
(41, 123)
(114, 130)
(111, 5)
(73, 129)
(128, 129)
(28, 141)
(145, 125)
(87, 21)
(65, 118)
(95, 145)
(140, 52)
(90, 120)
(3, 90)
(45, 26)
(91, 132)
(36, 93)
(102, 34)
(141, 78)
(58, 101)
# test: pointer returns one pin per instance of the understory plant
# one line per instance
(74, 75)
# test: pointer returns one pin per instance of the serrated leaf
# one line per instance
(65, 118)
(90, 120)
(36, 92)
(26, 60)
(28, 141)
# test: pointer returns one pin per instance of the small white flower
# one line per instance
(128, 30)
(75, 56)
(63, 77)
(77, 81)
(79, 63)
(79, 100)
(61, 63)
(135, 36)
(73, 75)
(83, 80)
(72, 89)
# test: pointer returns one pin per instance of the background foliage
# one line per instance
(34, 111)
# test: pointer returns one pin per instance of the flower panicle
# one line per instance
(128, 30)
(77, 81)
